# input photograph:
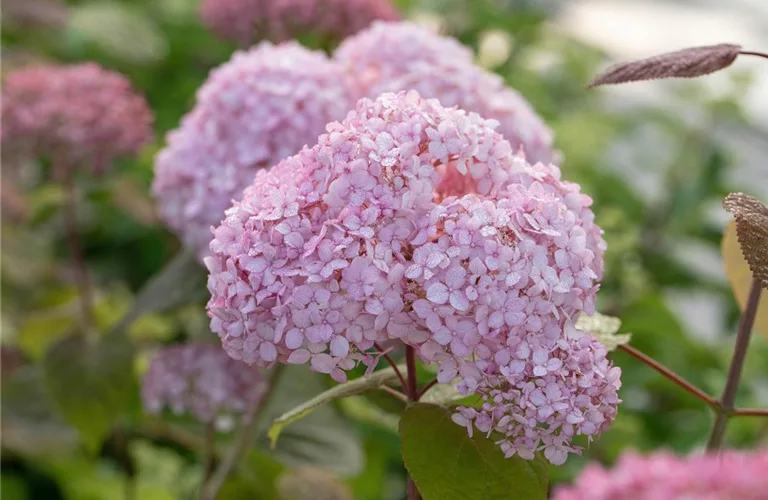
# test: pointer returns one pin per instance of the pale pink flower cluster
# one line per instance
(76, 116)
(409, 221)
(389, 57)
(253, 111)
(201, 380)
(663, 476)
(245, 21)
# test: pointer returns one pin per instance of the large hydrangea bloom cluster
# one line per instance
(200, 379)
(79, 115)
(412, 222)
(253, 111)
(389, 57)
(664, 476)
(243, 21)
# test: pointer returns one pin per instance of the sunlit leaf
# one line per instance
(119, 30)
(604, 328)
(447, 464)
(740, 276)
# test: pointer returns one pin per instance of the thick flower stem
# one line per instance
(737, 364)
(412, 390)
(240, 442)
(81, 273)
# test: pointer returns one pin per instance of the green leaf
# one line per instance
(445, 463)
(351, 388)
(180, 282)
(322, 438)
(90, 382)
(30, 425)
(604, 328)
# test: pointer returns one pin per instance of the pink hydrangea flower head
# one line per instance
(416, 223)
(79, 115)
(664, 476)
(258, 108)
(394, 56)
(244, 21)
(202, 380)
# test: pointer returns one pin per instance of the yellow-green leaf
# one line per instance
(740, 276)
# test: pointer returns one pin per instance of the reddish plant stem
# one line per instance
(674, 377)
(749, 412)
(737, 364)
(752, 53)
(412, 390)
(427, 387)
(81, 272)
(394, 366)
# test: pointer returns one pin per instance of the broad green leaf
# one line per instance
(180, 282)
(322, 437)
(604, 328)
(351, 388)
(446, 464)
(740, 276)
(90, 382)
(30, 425)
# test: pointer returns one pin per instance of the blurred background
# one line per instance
(657, 157)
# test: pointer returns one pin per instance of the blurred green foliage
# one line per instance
(164, 50)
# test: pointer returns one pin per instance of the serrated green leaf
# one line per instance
(604, 328)
(446, 464)
(90, 382)
(351, 388)
(180, 282)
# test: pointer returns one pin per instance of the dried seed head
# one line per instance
(752, 229)
(686, 63)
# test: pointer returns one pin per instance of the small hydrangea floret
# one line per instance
(416, 223)
(664, 476)
(394, 56)
(74, 116)
(201, 380)
(253, 111)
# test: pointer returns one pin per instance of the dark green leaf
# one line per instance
(445, 463)
(90, 382)
(180, 282)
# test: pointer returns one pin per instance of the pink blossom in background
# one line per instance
(394, 56)
(253, 111)
(729, 475)
(413, 222)
(76, 116)
(200, 379)
(247, 21)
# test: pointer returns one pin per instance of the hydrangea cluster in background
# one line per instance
(389, 57)
(75, 116)
(664, 476)
(253, 111)
(244, 21)
(414, 222)
(202, 380)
